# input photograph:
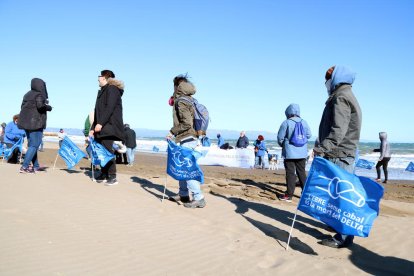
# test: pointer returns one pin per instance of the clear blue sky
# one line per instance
(248, 59)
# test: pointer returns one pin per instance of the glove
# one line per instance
(48, 108)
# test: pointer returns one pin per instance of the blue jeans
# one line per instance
(34, 139)
(192, 186)
(130, 155)
(346, 163)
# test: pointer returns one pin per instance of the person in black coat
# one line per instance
(32, 118)
(243, 141)
(131, 144)
(108, 124)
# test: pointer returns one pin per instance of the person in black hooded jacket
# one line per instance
(32, 119)
(108, 123)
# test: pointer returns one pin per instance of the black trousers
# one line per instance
(110, 167)
(292, 166)
(384, 164)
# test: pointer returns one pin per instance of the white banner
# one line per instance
(214, 156)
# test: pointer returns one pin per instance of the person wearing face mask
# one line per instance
(339, 130)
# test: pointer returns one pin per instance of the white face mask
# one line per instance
(328, 86)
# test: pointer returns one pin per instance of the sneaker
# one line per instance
(26, 170)
(39, 169)
(385, 181)
(378, 179)
(334, 243)
(101, 178)
(177, 198)
(195, 204)
(111, 181)
(286, 198)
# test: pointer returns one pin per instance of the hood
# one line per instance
(119, 84)
(40, 86)
(383, 136)
(341, 75)
(184, 89)
(292, 109)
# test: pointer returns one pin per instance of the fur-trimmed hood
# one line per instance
(184, 89)
(118, 83)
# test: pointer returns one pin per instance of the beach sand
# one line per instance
(60, 222)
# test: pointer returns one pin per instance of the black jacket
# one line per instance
(242, 142)
(34, 107)
(130, 138)
(108, 111)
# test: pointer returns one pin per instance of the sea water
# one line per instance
(401, 154)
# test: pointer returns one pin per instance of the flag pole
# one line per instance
(291, 228)
(165, 187)
(54, 165)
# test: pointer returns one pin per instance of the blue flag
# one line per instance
(344, 201)
(99, 154)
(410, 167)
(182, 164)
(365, 164)
(70, 153)
(8, 151)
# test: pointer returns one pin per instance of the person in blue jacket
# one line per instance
(220, 140)
(12, 134)
(294, 156)
(260, 151)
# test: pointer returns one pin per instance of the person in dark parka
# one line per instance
(131, 144)
(108, 123)
(32, 118)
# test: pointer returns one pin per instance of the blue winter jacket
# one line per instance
(261, 145)
(12, 133)
(290, 151)
(220, 141)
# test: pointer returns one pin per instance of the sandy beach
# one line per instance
(60, 222)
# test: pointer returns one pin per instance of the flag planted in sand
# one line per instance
(182, 164)
(365, 164)
(344, 201)
(410, 167)
(70, 153)
(100, 155)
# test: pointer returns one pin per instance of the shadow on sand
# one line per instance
(285, 217)
(148, 186)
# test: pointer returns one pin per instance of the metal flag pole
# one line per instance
(291, 228)
(54, 165)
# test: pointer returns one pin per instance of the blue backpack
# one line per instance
(201, 115)
(298, 138)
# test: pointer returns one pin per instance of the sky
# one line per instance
(248, 59)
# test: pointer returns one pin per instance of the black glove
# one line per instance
(48, 108)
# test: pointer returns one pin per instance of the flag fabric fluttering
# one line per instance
(346, 202)
(8, 151)
(99, 154)
(365, 164)
(70, 153)
(410, 167)
(182, 163)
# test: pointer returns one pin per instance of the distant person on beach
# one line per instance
(108, 123)
(220, 140)
(12, 134)
(260, 151)
(33, 118)
(61, 136)
(339, 130)
(2, 128)
(294, 156)
(243, 141)
(205, 141)
(385, 157)
(185, 135)
(131, 144)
